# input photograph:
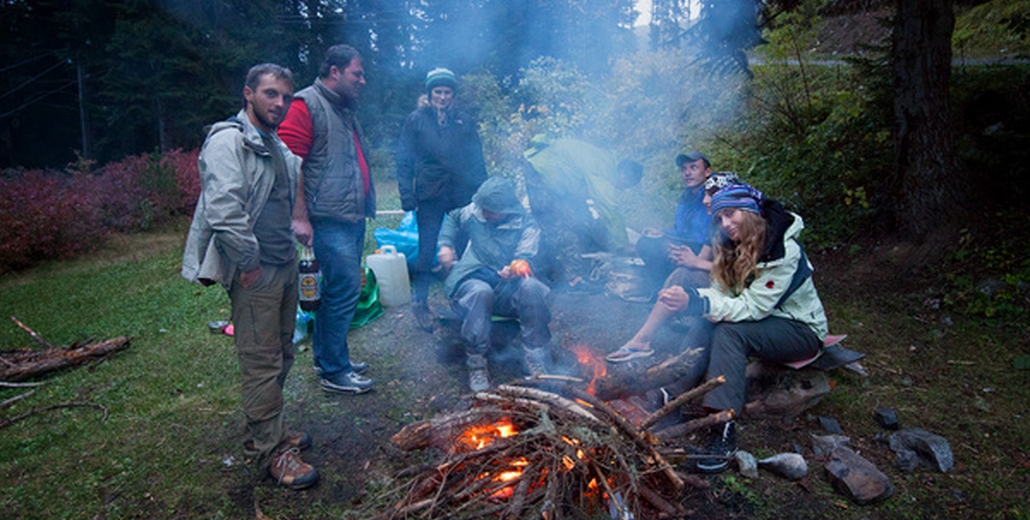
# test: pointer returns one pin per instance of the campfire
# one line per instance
(544, 446)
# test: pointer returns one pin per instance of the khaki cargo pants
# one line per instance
(263, 316)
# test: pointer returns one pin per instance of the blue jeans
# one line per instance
(522, 298)
(338, 247)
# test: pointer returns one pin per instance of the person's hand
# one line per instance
(674, 298)
(651, 232)
(248, 278)
(303, 231)
(446, 257)
(683, 256)
(507, 273)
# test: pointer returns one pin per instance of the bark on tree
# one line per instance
(929, 183)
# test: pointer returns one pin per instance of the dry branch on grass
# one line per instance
(22, 364)
(540, 447)
(7, 422)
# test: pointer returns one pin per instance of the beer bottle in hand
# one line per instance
(310, 292)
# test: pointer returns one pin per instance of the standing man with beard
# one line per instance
(335, 196)
(241, 237)
(439, 166)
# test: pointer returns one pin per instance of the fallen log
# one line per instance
(23, 364)
(622, 384)
(423, 434)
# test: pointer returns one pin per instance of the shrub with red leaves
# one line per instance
(47, 214)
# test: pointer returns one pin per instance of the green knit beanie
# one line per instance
(440, 77)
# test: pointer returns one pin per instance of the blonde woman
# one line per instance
(762, 301)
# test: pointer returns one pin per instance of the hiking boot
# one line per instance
(722, 445)
(299, 440)
(479, 379)
(536, 361)
(288, 470)
(346, 382)
(423, 316)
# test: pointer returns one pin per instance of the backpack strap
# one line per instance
(803, 273)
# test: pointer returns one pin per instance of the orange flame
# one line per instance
(592, 362)
(479, 436)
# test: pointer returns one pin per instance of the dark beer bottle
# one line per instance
(310, 292)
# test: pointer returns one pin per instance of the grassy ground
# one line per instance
(171, 445)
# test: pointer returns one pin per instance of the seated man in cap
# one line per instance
(488, 279)
(664, 250)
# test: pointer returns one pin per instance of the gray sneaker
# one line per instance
(346, 382)
(479, 379)
(536, 361)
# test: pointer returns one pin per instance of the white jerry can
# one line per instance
(391, 270)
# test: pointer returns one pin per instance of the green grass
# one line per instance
(174, 411)
(164, 395)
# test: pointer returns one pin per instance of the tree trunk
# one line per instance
(928, 186)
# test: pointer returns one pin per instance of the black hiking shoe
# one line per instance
(721, 446)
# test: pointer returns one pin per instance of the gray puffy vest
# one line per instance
(333, 187)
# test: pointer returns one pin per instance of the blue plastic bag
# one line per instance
(304, 322)
(404, 238)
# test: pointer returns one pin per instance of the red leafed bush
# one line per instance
(187, 177)
(42, 216)
(47, 214)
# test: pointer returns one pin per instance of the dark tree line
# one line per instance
(108, 78)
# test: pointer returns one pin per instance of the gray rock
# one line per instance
(789, 465)
(856, 478)
(830, 424)
(990, 286)
(824, 444)
(887, 418)
(746, 464)
(906, 460)
(786, 393)
(931, 449)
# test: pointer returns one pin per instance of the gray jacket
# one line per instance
(491, 246)
(333, 188)
(236, 177)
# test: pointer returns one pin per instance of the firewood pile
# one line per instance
(541, 447)
(24, 364)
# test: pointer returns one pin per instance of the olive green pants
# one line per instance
(263, 316)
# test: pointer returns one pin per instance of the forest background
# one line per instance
(103, 105)
(104, 101)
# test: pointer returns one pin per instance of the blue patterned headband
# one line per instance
(741, 196)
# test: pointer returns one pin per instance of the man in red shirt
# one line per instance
(335, 196)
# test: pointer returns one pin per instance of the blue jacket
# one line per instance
(692, 218)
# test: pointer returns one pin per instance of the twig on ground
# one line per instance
(12, 420)
(680, 400)
(39, 339)
(687, 427)
(5, 384)
(13, 400)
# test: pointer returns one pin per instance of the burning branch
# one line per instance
(543, 446)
